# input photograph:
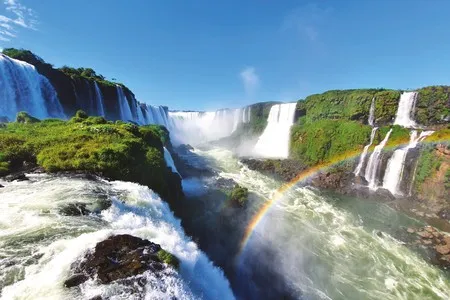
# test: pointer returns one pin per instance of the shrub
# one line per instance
(168, 258)
(23, 117)
(239, 195)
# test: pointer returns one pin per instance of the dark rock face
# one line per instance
(118, 257)
(74, 209)
(284, 169)
(17, 176)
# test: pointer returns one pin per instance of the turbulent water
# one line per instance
(274, 141)
(22, 88)
(38, 243)
(374, 161)
(332, 248)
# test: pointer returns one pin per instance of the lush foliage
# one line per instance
(322, 140)
(350, 105)
(239, 195)
(428, 164)
(433, 105)
(88, 74)
(398, 136)
(168, 258)
(117, 150)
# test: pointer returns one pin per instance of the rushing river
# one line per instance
(38, 243)
(329, 247)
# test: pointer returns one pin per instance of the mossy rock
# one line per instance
(239, 195)
(168, 258)
(23, 117)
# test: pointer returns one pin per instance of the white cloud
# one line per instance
(306, 20)
(20, 16)
(250, 80)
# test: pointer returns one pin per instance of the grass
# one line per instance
(168, 258)
(118, 150)
(428, 164)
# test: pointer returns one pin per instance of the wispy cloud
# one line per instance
(307, 21)
(20, 16)
(250, 80)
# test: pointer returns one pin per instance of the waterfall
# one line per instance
(374, 161)
(274, 141)
(22, 88)
(372, 113)
(394, 170)
(364, 153)
(99, 101)
(405, 110)
(140, 115)
(125, 110)
(169, 161)
(237, 118)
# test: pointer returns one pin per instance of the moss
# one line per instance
(433, 105)
(238, 195)
(322, 140)
(23, 117)
(119, 151)
(168, 258)
(428, 164)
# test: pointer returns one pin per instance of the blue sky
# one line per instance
(211, 54)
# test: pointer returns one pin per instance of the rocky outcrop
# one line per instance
(284, 169)
(119, 257)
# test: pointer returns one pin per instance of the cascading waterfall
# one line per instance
(396, 164)
(169, 161)
(274, 141)
(364, 153)
(372, 113)
(22, 88)
(374, 161)
(99, 100)
(38, 242)
(405, 110)
(125, 110)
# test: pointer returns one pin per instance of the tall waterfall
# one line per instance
(274, 141)
(405, 110)
(22, 88)
(372, 113)
(396, 164)
(99, 100)
(169, 161)
(374, 161)
(364, 153)
(125, 110)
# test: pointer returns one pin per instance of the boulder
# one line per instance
(410, 230)
(120, 257)
(1, 186)
(16, 177)
(425, 234)
(443, 249)
(74, 209)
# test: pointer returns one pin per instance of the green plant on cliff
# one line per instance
(433, 105)
(239, 195)
(427, 165)
(168, 258)
(323, 140)
(119, 151)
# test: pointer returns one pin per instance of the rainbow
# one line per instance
(308, 174)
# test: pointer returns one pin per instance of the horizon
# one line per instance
(201, 57)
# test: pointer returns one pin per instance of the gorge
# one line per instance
(336, 192)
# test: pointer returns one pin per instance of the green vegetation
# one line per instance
(428, 164)
(168, 258)
(322, 140)
(399, 135)
(239, 195)
(89, 74)
(118, 150)
(433, 105)
(23, 117)
(350, 105)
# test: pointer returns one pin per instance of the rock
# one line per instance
(97, 298)
(74, 209)
(430, 229)
(443, 249)
(427, 242)
(446, 239)
(16, 177)
(425, 234)
(1, 186)
(410, 230)
(119, 257)
(75, 280)
(420, 213)
(444, 214)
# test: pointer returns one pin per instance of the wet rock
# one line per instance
(425, 234)
(430, 229)
(443, 249)
(444, 214)
(75, 280)
(119, 257)
(1, 186)
(74, 209)
(16, 177)
(97, 298)
(410, 230)
(427, 242)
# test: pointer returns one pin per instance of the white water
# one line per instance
(274, 141)
(329, 248)
(125, 110)
(99, 99)
(396, 164)
(362, 158)
(374, 161)
(169, 161)
(372, 113)
(38, 245)
(22, 88)
(404, 116)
